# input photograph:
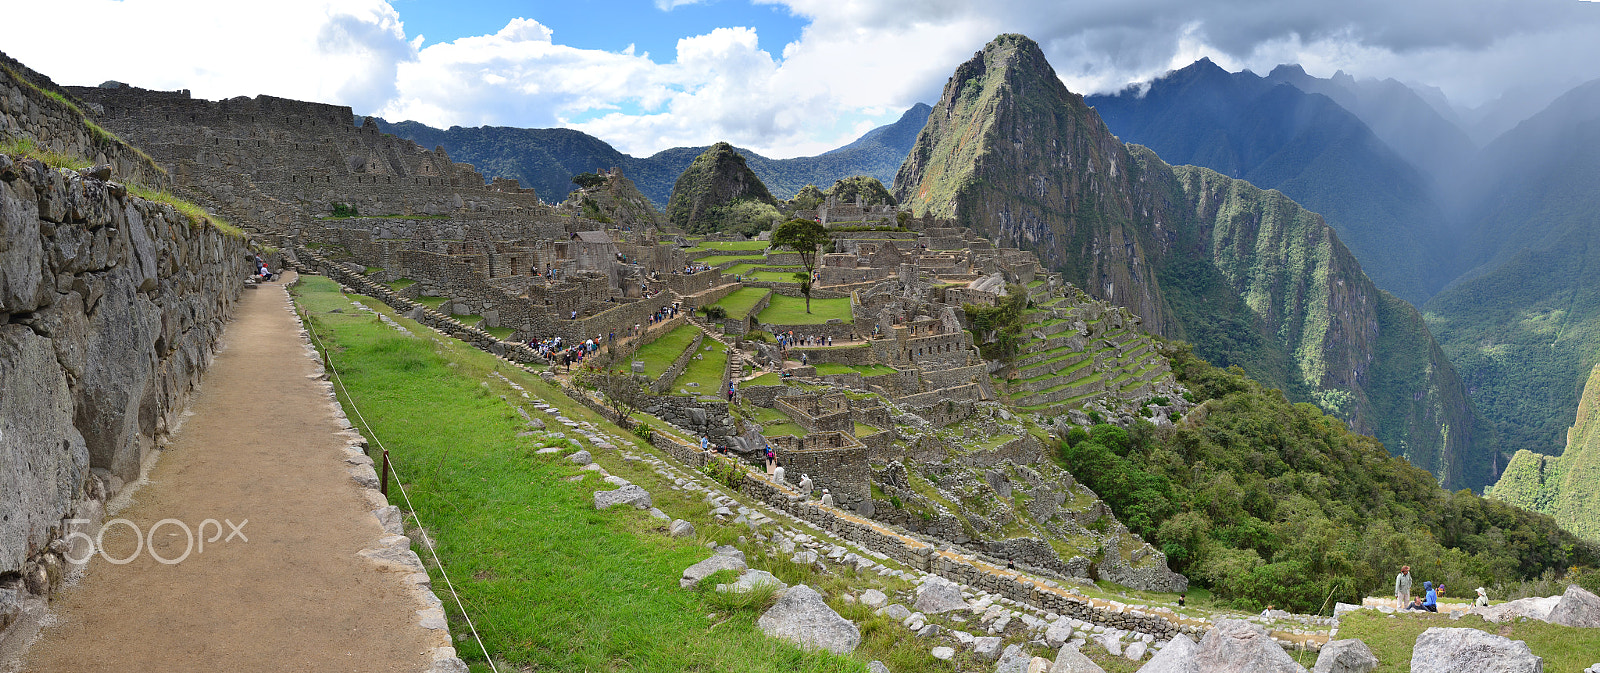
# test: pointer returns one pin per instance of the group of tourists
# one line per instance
(557, 352)
(787, 340)
(665, 313)
(1429, 600)
(695, 267)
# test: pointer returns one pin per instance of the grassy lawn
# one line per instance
(1563, 648)
(501, 333)
(706, 372)
(401, 284)
(659, 354)
(739, 302)
(729, 245)
(714, 260)
(773, 276)
(863, 430)
(767, 379)
(792, 311)
(551, 583)
(431, 302)
(749, 267)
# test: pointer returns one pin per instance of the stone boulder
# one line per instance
(1534, 608)
(1058, 633)
(938, 597)
(680, 528)
(1440, 650)
(632, 494)
(987, 647)
(581, 458)
(873, 598)
(896, 612)
(752, 579)
(1345, 656)
(1013, 660)
(1177, 657)
(1577, 607)
(803, 618)
(699, 571)
(1238, 646)
(1070, 660)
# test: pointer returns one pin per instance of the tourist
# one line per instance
(1483, 598)
(1430, 600)
(1402, 588)
(705, 443)
(1439, 590)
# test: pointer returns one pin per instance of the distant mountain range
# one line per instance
(546, 159)
(1273, 134)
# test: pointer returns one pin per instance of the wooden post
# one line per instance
(383, 483)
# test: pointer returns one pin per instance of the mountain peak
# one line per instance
(1288, 71)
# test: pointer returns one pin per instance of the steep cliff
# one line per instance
(1566, 487)
(1247, 275)
(616, 200)
(718, 193)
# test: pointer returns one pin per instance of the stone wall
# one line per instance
(110, 308)
(26, 111)
(663, 385)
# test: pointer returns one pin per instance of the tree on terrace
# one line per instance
(804, 237)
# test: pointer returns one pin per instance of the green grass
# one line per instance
(401, 284)
(767, 379)
(748, 267)
(431, 302)
(524, 546)
(863, 430)
(773, 276)
(25, 147)
(659, 354)
(1563, 648)
(728, 245)
(371, 270)
(715, 260)
(197, 216)
(705, 372)
(501, 333)
(784, 310)
(739, 302)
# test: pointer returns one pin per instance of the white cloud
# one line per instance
(342, 51)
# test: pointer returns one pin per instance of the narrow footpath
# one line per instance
(288, 592)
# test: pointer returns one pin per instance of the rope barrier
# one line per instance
(427, 541)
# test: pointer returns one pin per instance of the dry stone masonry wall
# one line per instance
(110, 308)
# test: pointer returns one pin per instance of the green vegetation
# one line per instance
(808, 198)
(1564, 486)
(868, 188)
(753, 246)
(659, 354)
(501, 333)
(718, 193)
(804, 237)
(342, 210)
(196, 215)
(432, 302)
(825, 368)
(25, 147)
(1268, 502)
(1563, 648)
(513, 532)
(401, 284)
(784, 310)
(704, 371)
(739, 302)
(999, 327)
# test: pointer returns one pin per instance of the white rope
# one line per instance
(426, 540)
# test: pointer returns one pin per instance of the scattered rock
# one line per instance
(987, 647)
(1578, 608)
(1013, 660)
(873, 598)
(1440, 650)
(939, 596)
(1238, 645)
(877, 667)
(1135, 650)
(804, 557)
(1058, 633)
(632, 494)
(752, 579)
(1070, 660)
(680, 528)
(1177, 657)
(581, 458)
(699, 571)
(1345, 656)
(943, 653)
(803, 618)
(1535, 608)
(896, 612)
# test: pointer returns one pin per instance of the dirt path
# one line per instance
(260, 446)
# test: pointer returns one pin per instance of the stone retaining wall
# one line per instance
(663, 385)
(110, 308)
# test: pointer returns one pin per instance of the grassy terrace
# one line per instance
(792, 311)
(1563, 648)
(739, 302)
(659, 354)
(767, 379)
(524, 546)
(750, 267)
(715, 260)
(705, 372)
(773, 276)
(727, 245)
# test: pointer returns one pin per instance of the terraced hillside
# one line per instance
(1077, 350)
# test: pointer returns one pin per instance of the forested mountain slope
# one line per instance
(1278, 137)
(1563, 486)
(546, 159)
(1247, 275)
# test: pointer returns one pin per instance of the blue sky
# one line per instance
(782, 77)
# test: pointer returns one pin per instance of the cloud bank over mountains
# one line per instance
(856, 65)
